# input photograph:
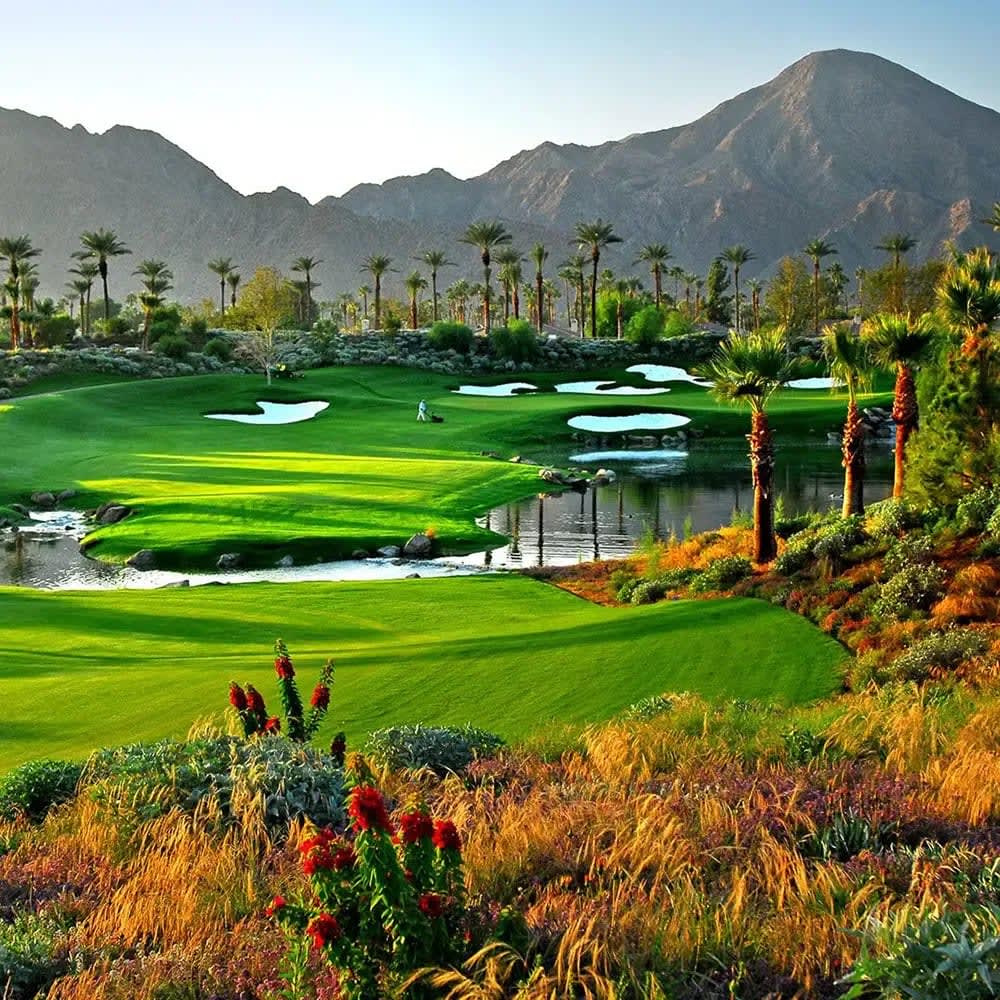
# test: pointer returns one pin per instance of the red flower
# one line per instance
(431, 905)
(278, 903)
(237, 697)
(344, 858)
(368, 810)
(284, 668)
(414, 827)
(320, 697)
(273, 725)
(321, 838)
(446, 836)
(323, 929)
(255, 703)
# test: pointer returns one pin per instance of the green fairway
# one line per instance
(363, 473)
(80, 670)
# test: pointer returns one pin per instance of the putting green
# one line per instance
(361, 474)
(81, 670)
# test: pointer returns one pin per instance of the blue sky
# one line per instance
(320, 96)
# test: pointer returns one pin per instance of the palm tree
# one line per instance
(345, 302)
(233, 280)
(87, 271)
(435, 260)
(16, 251)
(574, 266)
(485, 235)
(736, 256)
(415, 283)
(539, 255)
(897, 244)
(756, 286)
(746, 370)
(80, 288)
(900, 342)
(594, 236)
(364, 291)
(838, 279)
(850, 364)
(101, 246)
(306, 266)
(622, 291)
(655, 255)
(993, 219)
(816, 250)
(376, 265)
(223, 267)
(509, 275)
(677, 273)
(568, 275)
(157, 279)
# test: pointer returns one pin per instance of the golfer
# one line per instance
(422, 410)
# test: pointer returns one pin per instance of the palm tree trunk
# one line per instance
(762, 466)
(222, 297)
(736, 275)
(378, 302)
(656, 285)
(107, 298)
(434, 293)
(906, 417)
(816, 295)
(145, 330)
(593, 298)
(517, 301)
(486, 294)
(540, 300)
(853, 449)
(15, 324)
(309, 301)
(618, 318)
(413, 311)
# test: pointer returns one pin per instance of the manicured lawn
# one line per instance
(361, 474)
(79, 670)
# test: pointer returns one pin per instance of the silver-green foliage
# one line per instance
(442, 749)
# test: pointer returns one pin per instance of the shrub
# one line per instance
(517, 341)
(198, 327)
(914, 588)
(32, 789)
(796, 556)
(907, 552)
(645, 328)
(444, 336)
(938, 653)
(28, 948)
(173, 345)
(722, 574)
(648, 708)
(392, 323)
(802, 745)
(890, 518)
(975, 510)
(847, 836)
(677, 325)
(439, 748)
(219, 347)
(837, 539)
(648, 591)
(993, 524)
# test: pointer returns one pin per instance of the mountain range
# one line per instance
(843, 145)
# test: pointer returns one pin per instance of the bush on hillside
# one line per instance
(444, 336)
(677, 325)
(914, 588)
(442, 749)
(645, 328)
(517, 342)
(32, 789)
(219, 347)
(173, 345)
(890, 518)
(940, 653)
(722, 574)
(974, 511)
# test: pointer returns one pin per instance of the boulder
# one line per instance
(412, 576)
(603, 477)
(229, 560)
(174, 586)
(19, 508)
(359, 554)
(285, 562)
(113, 513)
(144, 559)
(65, 495)
(44, 499)
(418, 547)
(390, 552)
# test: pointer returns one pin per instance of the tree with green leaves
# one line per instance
(435, 260)
(718, 304)
(816, 250)
(306, 266)
(592, 237)
(539, 255)
(850, 364)
(736, 256)
(222, 267)
(87, 271)
(377, 265)
(993, 219)
(101, 246)
(655, 255)
(415, 283)
(509, 275)
(233, 279)
(837, 278)
(79, 288)
(896, 246)
(486, 235)
(17, 251)
(756, 286)
(157, 279)
(901, 343)
(747, 370)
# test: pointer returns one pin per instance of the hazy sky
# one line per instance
(320, 96)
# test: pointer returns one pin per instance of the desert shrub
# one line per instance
(645, 328)
(444, 336)
(975, 509)
(914, 588)
(198, 327)
(722, 574)
(55, 330)
(439, 748)
(32, 789)
(938, 653)
(846, 836)
(392, 323)
(517, 341)
(890, 518)
(909, 551)
(173, 345)
(28, 955)
(677, 325)
(648, 708)
(219, 347)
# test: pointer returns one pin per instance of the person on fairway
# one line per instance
(422, 410)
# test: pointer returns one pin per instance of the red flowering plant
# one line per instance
(300, 725)
(382, 901)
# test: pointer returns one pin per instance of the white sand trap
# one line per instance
(657, 455)
(597, 389)
(275, 413)
(632, 422)
(666, 373)
(815, 383)
(507, 389)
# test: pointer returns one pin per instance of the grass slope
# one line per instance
(361, 474)
(80, 670)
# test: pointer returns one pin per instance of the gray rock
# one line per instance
(390, 552)
(144, 559)
(418, 547)
(174, 586)
(229, 560)
(359, 554)
(285, 562)
(19, 508)
(412, 576)
(44, 499)
(113, 513)
(65, 495)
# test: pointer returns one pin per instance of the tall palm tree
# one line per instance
(574, 266)
(539, 255)
(593, 237)
(746, 371)
(509, 275)
(622, 291)
(677, 273)
(100, 246)
(850, 363)
(485, 235)
(816, 250)
(415, 283)
(435, 260)
(223, 267)
(16, 251)
(376, 265)
(569, 276)
(233, 279)
(655, 255)
(80, 287)
(736, 256)
(901, 343)
(157, 278)
(896, 245)
(756, 286)
(87, 271)
(838, 279)
(306, 266)
(364, 291)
